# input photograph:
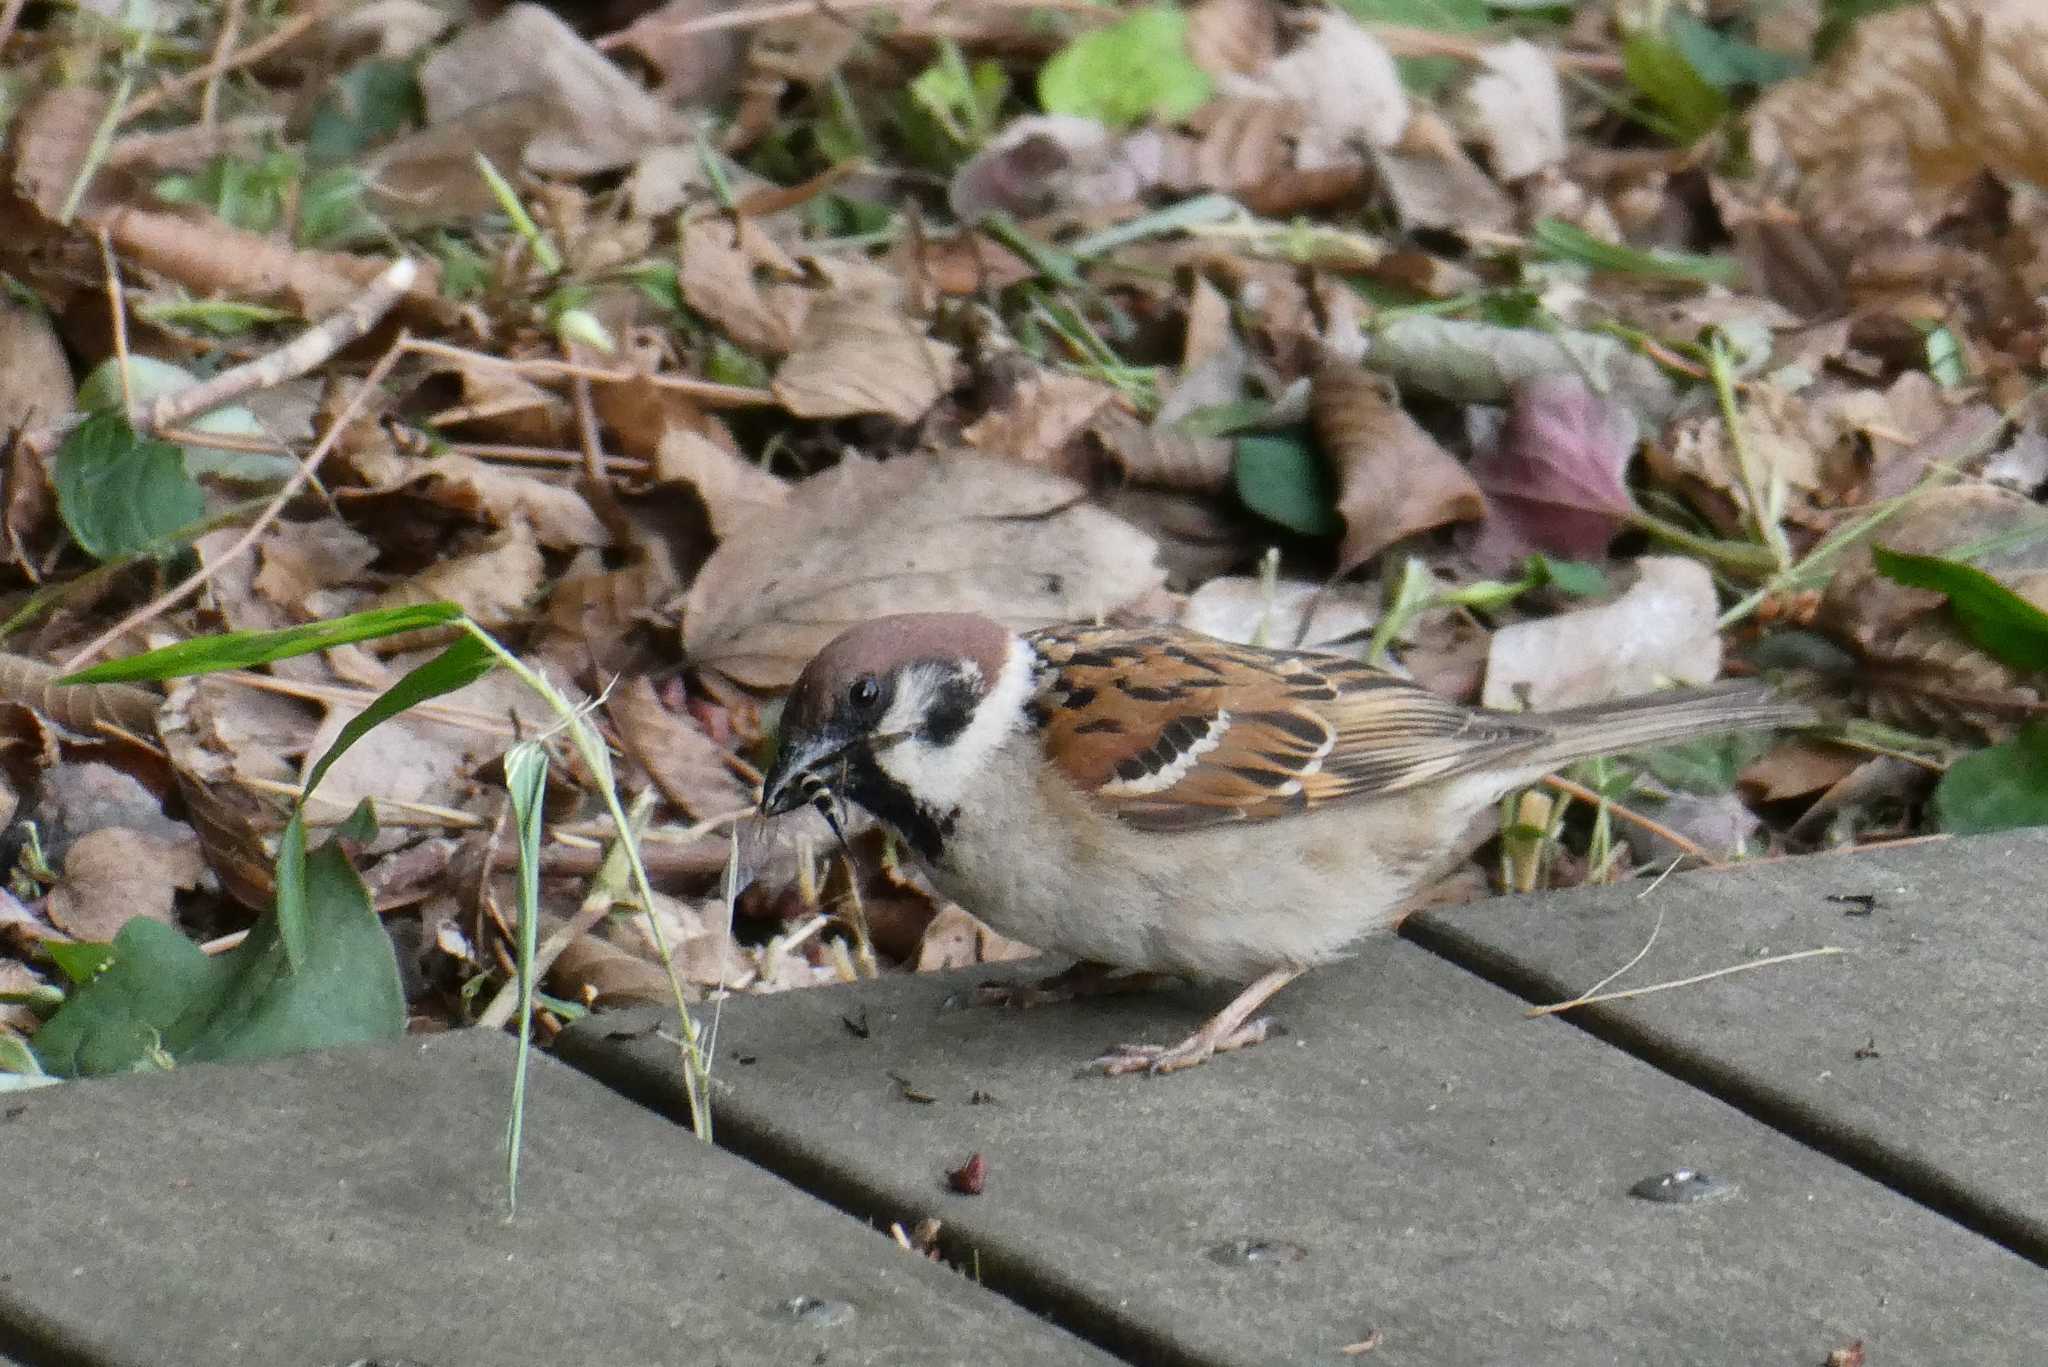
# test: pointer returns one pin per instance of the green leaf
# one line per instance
(1558, 238)
(1725, 61)
(1996, 619)
(1283, 480)
(150, 379)
(121, 494)
(162, 999)
(1997, 789)
(1709, 765)
(1128, 72)
(371, 101)
(79, 962)
(464, 662)
(1945, 361)
(244, 649)
(1574, 577)
(1657, 68)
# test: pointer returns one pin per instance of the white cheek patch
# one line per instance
(941, 775)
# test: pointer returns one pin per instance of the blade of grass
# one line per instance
(243, 649)
(526, 776)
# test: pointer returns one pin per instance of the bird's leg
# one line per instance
(1085, 978)
(1230, 1028)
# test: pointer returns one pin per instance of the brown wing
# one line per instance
(1174, 730)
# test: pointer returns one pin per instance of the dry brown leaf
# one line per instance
(1042, 163)
(1241, 36)
(1796, 767)
(1515, 106)
(1662, 631)
(390, 29)
(861, 353)
(1431, 182)
(35, 379)
(1164, 457)
(1888, 135)
(924, 533)
(1040, 417)
(1916, 666)
(1292, 614)
(215, 259)
(1346, 84)
(560, 518)
(599, 117)
(301, 562)
(694, 772)
(720, 261)
(591, 612)
(1393, 479)
(115, 874)
(493, 584)
(50, 143)
(733, 488)
(956, 940)
(592, 970)
(219, 736)
(498, 403)
(693, 66)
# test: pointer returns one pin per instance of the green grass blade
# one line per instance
(244, 649)
(526, 777)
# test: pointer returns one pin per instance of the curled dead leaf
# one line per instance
(1393, 479)
(1916, 103)
(691, 770)
(1662, 631)
(115, 874)
(861, 353)
(926, 533)
(1917, 668)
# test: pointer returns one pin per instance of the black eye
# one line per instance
(862, 693)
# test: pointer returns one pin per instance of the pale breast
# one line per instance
(1042, 864)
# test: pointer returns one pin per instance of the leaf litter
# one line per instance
(1542, 360)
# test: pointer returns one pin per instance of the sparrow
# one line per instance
(1156, 801)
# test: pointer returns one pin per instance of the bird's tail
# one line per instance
(1663, 719)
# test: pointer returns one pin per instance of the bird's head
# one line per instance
(899, 716)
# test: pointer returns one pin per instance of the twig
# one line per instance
(1633, 817)
(230, 32)
(750, 16)
(1824, 950)
(707, 392)
(298, 356)
(180, 86)
(164, 602)
(117, 304)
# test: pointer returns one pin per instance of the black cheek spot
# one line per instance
(1055, 585)
(952, 708)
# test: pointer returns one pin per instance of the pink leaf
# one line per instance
(1553, 476)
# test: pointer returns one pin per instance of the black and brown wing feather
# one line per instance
(1173, 730)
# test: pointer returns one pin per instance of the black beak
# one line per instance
(792, 780)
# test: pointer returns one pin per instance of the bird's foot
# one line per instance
(1084, 979)
(1195, 1049)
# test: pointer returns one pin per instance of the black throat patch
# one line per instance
(889, 802)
